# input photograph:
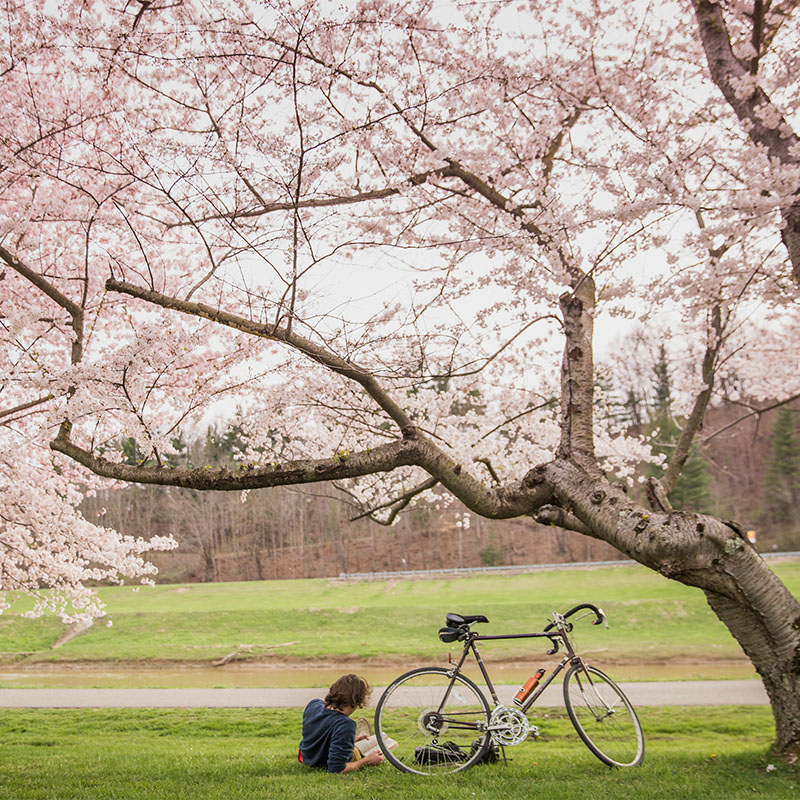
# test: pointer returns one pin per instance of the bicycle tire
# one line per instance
(421, 711)
(603, 717)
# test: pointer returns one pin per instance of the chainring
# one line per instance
(508, 725)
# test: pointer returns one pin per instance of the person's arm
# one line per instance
(340, 749)
(371, 759)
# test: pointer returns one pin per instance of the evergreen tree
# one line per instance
(632, 406)
(220, 448)
(491, 555)
(663, 388)
(783, 469)
(691, 492)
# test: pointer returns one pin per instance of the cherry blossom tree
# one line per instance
(384, 233)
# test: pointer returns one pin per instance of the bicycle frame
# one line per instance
(570, 657)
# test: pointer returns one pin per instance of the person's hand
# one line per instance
(373, 758)
(362, 737)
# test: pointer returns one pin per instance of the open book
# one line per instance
(368, 745)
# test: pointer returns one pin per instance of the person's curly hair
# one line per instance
(349, 690)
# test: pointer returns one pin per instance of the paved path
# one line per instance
(667, 693)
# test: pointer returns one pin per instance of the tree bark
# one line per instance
(770, 636)
(577, 372)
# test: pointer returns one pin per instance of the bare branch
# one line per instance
(755, 412)
(463, 372)
(324, 202)
(399, 503)
(515, 417)
(658, 490)
(458, 170)
(695, 419)
(10, 412)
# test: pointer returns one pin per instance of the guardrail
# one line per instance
(519, 567)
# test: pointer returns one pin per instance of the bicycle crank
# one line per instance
(510, 726)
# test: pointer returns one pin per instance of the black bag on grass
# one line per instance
(447, 753)
(490, 756)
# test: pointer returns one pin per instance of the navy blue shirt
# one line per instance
(328, 737)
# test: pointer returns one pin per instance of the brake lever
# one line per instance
(602, 619)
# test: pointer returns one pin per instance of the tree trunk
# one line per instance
(773, 645)
(707, 553)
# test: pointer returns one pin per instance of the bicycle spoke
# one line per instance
(437, 727)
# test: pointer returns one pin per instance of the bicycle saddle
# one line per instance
(455, 620)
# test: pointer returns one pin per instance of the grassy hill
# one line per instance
(651, 619)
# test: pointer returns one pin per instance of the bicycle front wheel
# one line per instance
(603, 717)
(429, 722)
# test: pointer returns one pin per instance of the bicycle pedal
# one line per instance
(533, 732)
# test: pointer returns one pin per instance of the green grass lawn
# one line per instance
(651, 618)
(228, 754)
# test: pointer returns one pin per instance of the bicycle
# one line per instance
(437, 720)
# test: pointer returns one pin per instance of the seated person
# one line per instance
(329, 735)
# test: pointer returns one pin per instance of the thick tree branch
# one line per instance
(383, 458)
(757, 38)
(498, 503)
(766, 126)
(413, 450)
(726, 70)
(577, 375)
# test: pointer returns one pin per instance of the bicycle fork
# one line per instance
(593, 699)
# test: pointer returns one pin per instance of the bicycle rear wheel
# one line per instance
(603, 717)
(438, 722)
